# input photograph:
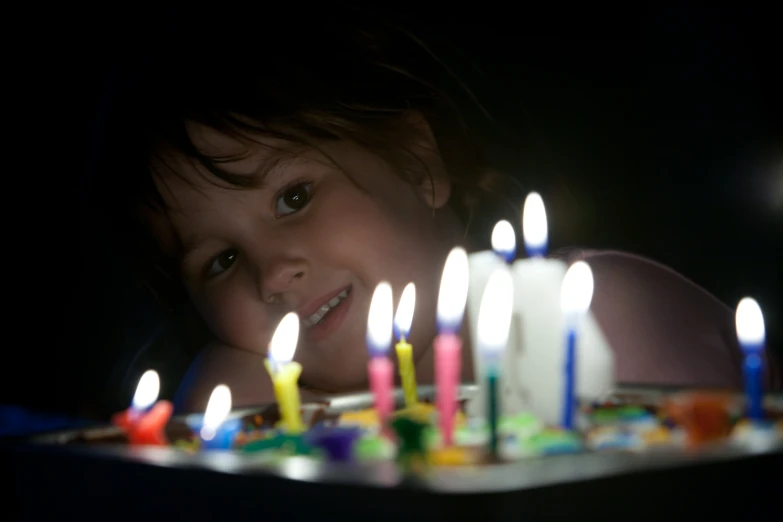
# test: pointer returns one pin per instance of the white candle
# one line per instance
(534, 358)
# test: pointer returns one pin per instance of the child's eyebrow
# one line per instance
(190, 246)
(276, 165)
(260, 172)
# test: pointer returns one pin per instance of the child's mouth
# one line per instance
(325, 309)
(329, 316)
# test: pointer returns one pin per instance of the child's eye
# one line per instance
(222, 262)
(292, 199)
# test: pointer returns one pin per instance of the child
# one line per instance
(288, 180)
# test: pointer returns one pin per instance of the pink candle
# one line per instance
(380, 369)
(448, 349)
(448, 345)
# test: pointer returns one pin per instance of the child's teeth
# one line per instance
(316, 317)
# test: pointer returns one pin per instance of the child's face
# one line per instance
(306, 236)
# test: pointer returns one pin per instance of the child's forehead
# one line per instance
(245, 153)
(260, 155)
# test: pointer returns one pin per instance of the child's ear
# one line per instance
(435, 185)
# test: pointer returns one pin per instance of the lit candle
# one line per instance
(504, 242)
(575, 296)
(145, 420)
(214, 428)
(533, 367)
(493, 325)
(402, 324)
(751, 336)
(285, 372)
(535, 229)
(146, 394)
(482, 265)
(380, 369)
(448, 346)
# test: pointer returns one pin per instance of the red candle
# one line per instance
(146, 427)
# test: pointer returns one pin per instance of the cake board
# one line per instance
(108, 482)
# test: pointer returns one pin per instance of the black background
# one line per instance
(653, 130)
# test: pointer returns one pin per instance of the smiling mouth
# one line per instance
(325, 309)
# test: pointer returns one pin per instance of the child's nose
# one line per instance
(281, 277)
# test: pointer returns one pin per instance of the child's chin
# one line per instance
(336, 385)
(336, 368)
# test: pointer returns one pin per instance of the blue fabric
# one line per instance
(16, 421)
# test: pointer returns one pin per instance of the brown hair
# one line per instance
(339, 82)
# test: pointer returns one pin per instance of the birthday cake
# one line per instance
(544, 388)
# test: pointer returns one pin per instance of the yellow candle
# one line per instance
(407, 372)
(285, 380)
(402, 324)
(285, 372)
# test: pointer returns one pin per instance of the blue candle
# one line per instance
(569, 394)
(222, 438)
(575, 296)
(751, 336)
(212, 428)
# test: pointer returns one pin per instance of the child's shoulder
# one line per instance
(664, 328)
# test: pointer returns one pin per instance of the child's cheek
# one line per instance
(237, 318)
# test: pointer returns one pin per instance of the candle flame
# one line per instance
(218, 408)
(534, 225)
(504, 241)
(577, 290)
(404, 316)
(379, 320)
(283, 343)
(453, 290)
(750, 324)
(494, 318)
(147, 390)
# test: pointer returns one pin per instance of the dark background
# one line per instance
(657, 131)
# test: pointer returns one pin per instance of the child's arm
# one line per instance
(665, 329)
(242, 371)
